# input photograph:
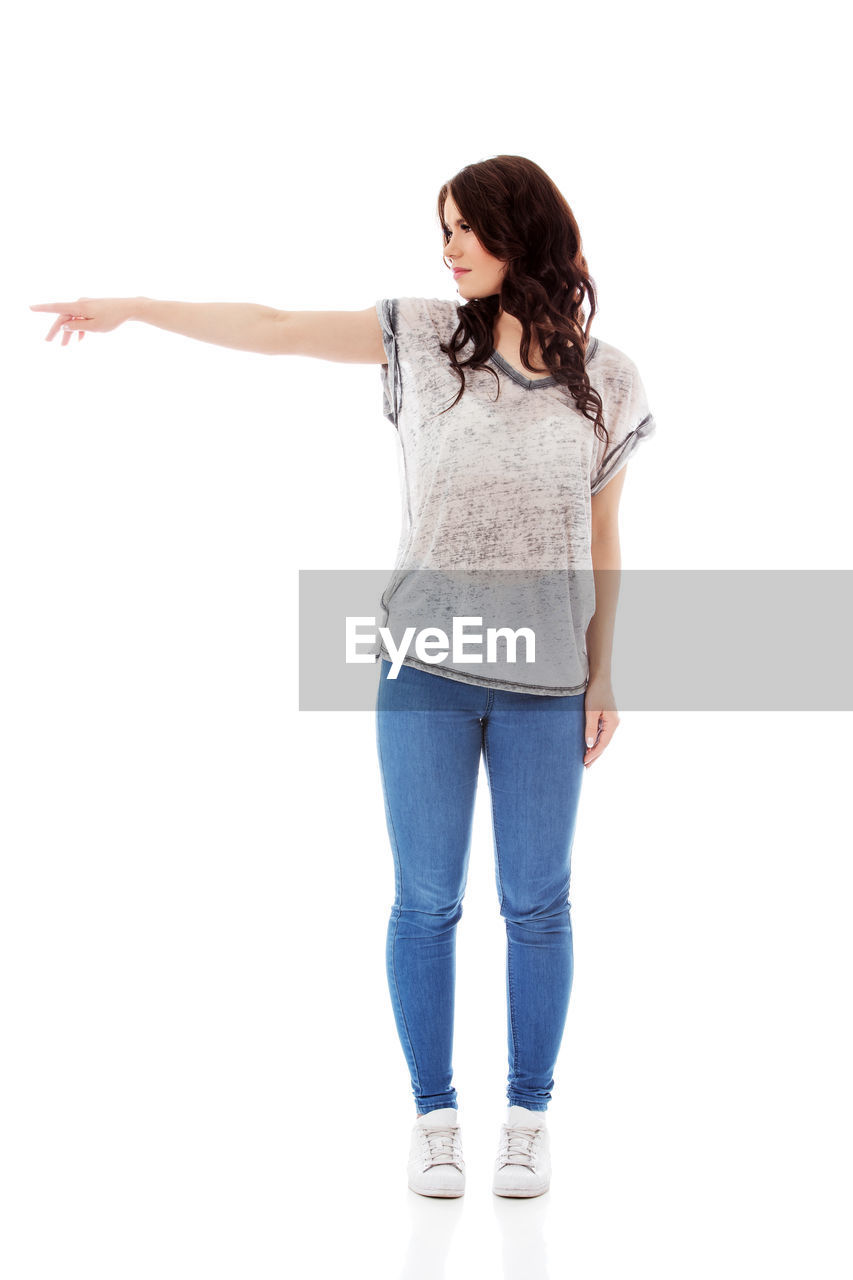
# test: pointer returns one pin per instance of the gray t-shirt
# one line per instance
(496, 503)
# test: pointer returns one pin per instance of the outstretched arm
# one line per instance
(353, 337)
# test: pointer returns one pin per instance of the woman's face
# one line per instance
(483, 273)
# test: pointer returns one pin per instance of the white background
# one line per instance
(200, 1073)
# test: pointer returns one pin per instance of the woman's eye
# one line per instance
(463, 225)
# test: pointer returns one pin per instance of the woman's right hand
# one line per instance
(86, 315)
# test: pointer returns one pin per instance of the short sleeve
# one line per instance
(628, 420)
(411, 328)
(386, 310)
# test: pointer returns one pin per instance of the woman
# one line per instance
(515, 428)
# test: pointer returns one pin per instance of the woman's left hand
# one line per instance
(602, 718)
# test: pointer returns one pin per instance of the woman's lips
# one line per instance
(461, 271)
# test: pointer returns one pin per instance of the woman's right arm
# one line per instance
(352, 337)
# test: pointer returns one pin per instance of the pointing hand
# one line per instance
(86, 315)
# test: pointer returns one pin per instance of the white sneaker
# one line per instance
(436, 1167)
(523, 1164)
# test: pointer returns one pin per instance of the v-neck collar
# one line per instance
(531, 384)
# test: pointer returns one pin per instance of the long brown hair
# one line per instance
(519, 216)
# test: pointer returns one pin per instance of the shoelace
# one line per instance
(517, 1145)
(443, 1144)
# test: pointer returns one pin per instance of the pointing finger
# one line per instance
(65, 307)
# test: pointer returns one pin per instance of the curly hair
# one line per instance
(520, 217)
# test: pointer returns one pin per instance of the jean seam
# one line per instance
(510, 986)
(494, 818)
(395, 912)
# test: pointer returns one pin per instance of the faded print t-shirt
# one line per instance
(496, 493)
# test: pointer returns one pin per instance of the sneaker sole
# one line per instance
(522, 1194)
(444, 1195)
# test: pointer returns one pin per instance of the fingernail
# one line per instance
(590, 741)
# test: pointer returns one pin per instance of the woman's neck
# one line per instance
(507, 340)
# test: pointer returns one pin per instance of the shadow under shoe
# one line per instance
(436, 1166)
(523, 1163)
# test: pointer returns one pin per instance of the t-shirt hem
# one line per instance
(450, 673)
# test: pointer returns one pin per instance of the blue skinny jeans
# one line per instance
(430, 732)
